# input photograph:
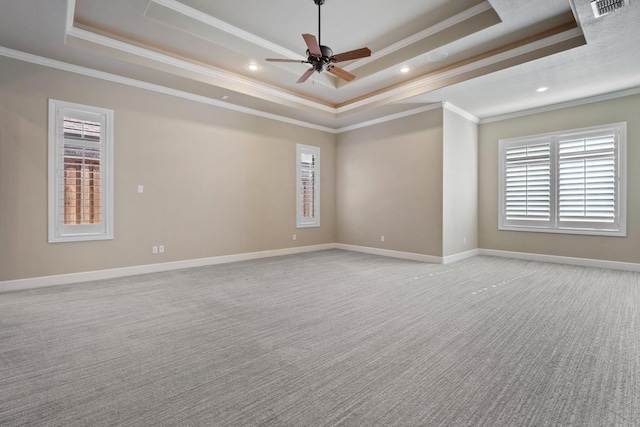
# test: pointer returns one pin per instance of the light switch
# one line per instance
(140, 189)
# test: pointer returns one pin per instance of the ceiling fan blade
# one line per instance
(298, 61)
(306, 75)
(352, 54)
(312, 44)
(339, 72)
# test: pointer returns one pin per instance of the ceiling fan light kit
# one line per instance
(321, 58)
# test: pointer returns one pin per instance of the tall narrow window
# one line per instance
(565, 182)
(308, 186)
(80, 172)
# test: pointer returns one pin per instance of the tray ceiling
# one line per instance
(486, 57)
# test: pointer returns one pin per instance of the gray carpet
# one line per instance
(327, 338)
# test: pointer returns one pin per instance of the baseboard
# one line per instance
(63, 279)
(390, 253)
(584, 262)
(460, 256)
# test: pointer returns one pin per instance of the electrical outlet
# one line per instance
(154, 249)
(464, 240)
(161, 249)
(294, 237)
(140, 188)
(382, 238)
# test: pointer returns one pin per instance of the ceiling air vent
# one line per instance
(602, 7)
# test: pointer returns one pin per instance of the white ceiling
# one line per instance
(498, 52)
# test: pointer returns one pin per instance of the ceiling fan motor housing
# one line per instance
(319, 63)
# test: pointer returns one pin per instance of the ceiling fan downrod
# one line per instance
(321, 58)
(319, 3)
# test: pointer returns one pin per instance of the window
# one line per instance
(308, 186)
(80, 172)
(565, 182)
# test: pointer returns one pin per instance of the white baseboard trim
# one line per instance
(460, 256)
(64, 279)
(584, 262)
(390, 253)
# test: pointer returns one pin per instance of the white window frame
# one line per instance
(618, 228)
(306, 221)
(58, 231)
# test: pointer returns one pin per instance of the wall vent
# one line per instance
(603, 7)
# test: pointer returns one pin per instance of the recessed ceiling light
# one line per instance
(437, 56)
(252, 67)
(542, 89)
(405, 69)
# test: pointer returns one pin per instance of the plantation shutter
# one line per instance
(527, 184)
(81, 168)
(80, 172)
(308, 186)
(587, 180)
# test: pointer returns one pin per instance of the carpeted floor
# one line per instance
(327, 338)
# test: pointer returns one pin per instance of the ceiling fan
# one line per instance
(322, 58)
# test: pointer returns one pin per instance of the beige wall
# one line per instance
(219, 182)
(621, 249)
(460, 184)
(389, 178)
(216, 182)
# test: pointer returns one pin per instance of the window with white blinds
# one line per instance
(307, 186)
(528, 183)
(80, 172)
(565, 182)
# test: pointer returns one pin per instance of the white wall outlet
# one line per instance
(154, 249)
(140, 188)
(161, 249)
(294, 237)
(382, 238)
(464, 240)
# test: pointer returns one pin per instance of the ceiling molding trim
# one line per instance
(185, 65)
(459, 111)
(418, 84)
(89, 72)
(427, 32)
(390, 117)
(189, 66)
(71, 10)
(226, 27)
(561, 105)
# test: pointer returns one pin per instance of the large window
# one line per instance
(565, 182)
(307, 186)
(80, 172)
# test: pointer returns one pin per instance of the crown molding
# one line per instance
(227, 28)
(459, 111)
(420, 83)
(427, 32)
(113, 78)
(89, 72)
(222, 76)
(391, 117)
(561, 105)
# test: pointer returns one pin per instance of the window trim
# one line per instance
(57, 232)
(620, 131)
(303, 222)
